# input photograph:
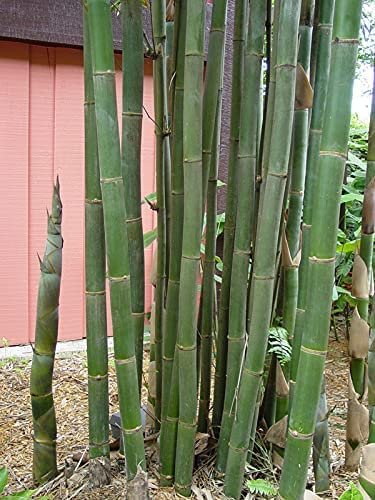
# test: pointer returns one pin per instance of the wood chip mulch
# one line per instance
(70, 392)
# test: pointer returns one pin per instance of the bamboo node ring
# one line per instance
(118, 278)
(316, 260)
(256, 277)
(336, 154)
(186, 348)
(126, 361)
(235, 449)
(187, 425)
(314, 352)
(135, 219)
(94, 201)
(251, 372)
(132, 114)
(131, 431)
(99, 292)
(110, 180)
(104, 73)
(98, 377)
(236, 339)
(300, 435)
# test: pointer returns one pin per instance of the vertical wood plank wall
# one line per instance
(41, 136)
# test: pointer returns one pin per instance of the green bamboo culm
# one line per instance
(208, 282)
(210, 143)
(172, 13)
(46, 332)
(244, 232)
(321, 454)
(362, 327)
(239, 34)
(291, 246)
(322, 38)
(192, 147)
(360, 330)
(100, 29)
(366, 476)
(368, 230)
(263, 278)
(324, 35)
(319, 71)
(325, 217)
(213, 85)
(95, 296)
(270, 99)
(359, 333)
(132, 100)
(170, 403)
(161, 122)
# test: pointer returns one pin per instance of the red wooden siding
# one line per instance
(41, 135)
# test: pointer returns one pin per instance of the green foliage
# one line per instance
(349, 234)
(278, 344)
(20, 494)
(352, 493)
(261, 487)
(149, 237)
(3, 478)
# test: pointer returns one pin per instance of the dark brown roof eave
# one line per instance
(43, 22)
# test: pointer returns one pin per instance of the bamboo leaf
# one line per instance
(354, 160)
(352, 493)
(3, 478)
(22, 495)
(348, 247)
(149, 237)
(261, 487)
(150, 199)
(345, 198)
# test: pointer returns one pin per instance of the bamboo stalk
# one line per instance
(361, 327)
(268, 122)
(170, 373)
(210, 144)
(213, 85)
(95, 296)
(46, 332)
(320, 79)
(208, 282)
(263, 279)
(321, 455)
(325, 215)
(187, 324)
(320, 93)
(291, 255)
(367, 245)
(100, 26)
(161, 124)
(230, 212)
(368, 233)
(247, 161)
(367, 472)
(132, 100)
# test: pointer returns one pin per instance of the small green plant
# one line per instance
(4, 342)
(352, 493)
(20, 494)
(278, 344)
(261, 487)
(349, 234)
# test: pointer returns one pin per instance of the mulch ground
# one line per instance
(70, 390)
